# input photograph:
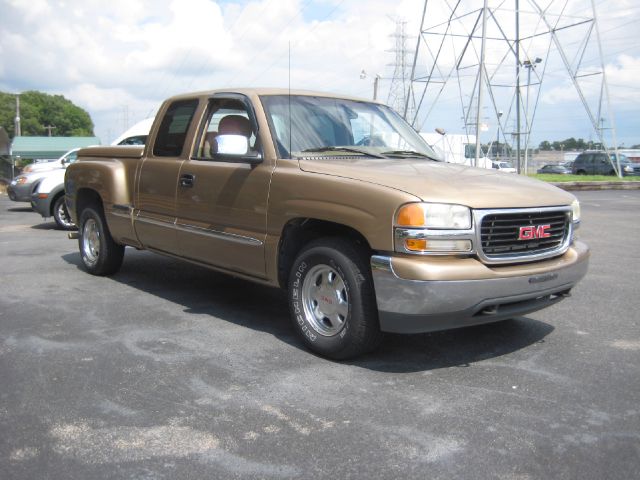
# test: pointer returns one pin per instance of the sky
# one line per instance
(120, 59)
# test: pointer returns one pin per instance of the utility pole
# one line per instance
(17, 132)
(529, 66)
(48, 128)
(518, 99)
(480, 81)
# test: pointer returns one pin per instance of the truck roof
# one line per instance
(270, 91)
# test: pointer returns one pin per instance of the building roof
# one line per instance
(48, 147)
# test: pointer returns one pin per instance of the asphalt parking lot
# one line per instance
(170, 371)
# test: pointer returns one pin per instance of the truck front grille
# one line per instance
(501, 238)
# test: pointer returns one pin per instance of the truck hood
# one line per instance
(444, 182)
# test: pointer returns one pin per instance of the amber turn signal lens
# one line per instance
(42, 195)
(415, 245)
(411, 215)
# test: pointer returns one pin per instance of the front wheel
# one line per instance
(101, 255)
(332, 299)
(61, 214)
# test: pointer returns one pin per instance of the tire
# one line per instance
(581, 172)
(61, 214)
(100, 254)
(332, 299)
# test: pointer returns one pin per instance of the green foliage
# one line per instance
(38, 110)
(569, 144)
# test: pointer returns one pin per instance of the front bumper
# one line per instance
(19, 193)
(41, 205)
(441, 294)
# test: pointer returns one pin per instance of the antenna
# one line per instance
(290, 128)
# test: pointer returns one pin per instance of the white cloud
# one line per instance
(125, 56)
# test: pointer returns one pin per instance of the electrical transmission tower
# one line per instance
(491, 61)
(401, 79)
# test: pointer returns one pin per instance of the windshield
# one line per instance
(334, 126)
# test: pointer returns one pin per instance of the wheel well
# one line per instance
(86, 197)
(299, 232)
(53, 201)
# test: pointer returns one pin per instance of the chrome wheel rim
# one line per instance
(325, 300)
(63, 215)
(90, 242)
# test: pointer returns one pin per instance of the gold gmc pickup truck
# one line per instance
(337, 200)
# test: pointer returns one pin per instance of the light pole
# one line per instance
(528, 64)
(376, 79)
(498, 136)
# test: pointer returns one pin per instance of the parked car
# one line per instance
(504, 167)
(65, 159)
(48, 199)
(598, 163)
(21, 187)
(24, 185)
(561, 169)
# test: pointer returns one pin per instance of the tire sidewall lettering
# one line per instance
(296, 283)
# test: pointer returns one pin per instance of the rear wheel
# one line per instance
(581, 172)
(101, 255)
(332, 299)
(61, 214)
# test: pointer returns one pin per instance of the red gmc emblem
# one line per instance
(534, 231)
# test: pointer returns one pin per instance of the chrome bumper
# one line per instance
(417, 306)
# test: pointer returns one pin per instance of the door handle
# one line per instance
(187, 180)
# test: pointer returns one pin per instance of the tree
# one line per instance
(39, 110)
(545, 145)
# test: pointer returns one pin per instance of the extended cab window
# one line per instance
(225, 117)
(173, 129)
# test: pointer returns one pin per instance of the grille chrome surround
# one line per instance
(497, 234)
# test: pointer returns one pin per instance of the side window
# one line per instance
(173, 129)
(470, 151)
(225, 117)
(584, 160)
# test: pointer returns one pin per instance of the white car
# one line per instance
(48, 199)
(504, 167)
(64, 160)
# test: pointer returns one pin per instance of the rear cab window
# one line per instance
(173, 128)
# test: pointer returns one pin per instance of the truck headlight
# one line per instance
(628, 168)
(441, 216)
(433, 228)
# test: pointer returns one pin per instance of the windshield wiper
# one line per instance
(342, 149)
(408, 153)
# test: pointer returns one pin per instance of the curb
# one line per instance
(597, 185)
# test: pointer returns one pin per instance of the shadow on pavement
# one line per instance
(265, 309)
(46, 226)
(20, 209)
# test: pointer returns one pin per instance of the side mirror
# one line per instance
(235, 148)
(232, 144)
